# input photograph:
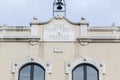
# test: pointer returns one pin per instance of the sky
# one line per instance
(97, 12)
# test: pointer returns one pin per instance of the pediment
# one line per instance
(59, 29)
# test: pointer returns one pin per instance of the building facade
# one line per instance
(59, 50)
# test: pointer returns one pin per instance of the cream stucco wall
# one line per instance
(59, 53)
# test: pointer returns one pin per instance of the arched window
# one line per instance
(85, 72)
(32, 72)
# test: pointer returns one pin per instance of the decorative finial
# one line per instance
(5, 25)
(35, 18)
(34, 21)
(59, 6)
(83, 18)
(113, 25)
(84, 21)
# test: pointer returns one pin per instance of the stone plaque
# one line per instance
(58, 50)
(59, 32)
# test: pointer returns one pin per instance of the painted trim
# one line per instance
(16, 66)
(70, 66)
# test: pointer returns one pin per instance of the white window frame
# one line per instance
(16, 66)
(70, 66)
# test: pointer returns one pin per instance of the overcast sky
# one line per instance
(97, 12)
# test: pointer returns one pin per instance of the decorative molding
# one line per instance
(16, 66)
(100, 66)
(59, 17)
(83, 43)
(15, 28)
(34, 43)
(104, 29)
(19, 38)
(99, 39)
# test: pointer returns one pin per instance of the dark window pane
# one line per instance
(38, 73)
(85, 72)
(32, 72)
(25, 73)
(78, 73)
(91, 73)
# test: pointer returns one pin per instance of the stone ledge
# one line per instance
(99, 39)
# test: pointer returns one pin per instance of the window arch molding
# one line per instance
(16, 66)
(85, 60)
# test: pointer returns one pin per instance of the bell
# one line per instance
(59, 7)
